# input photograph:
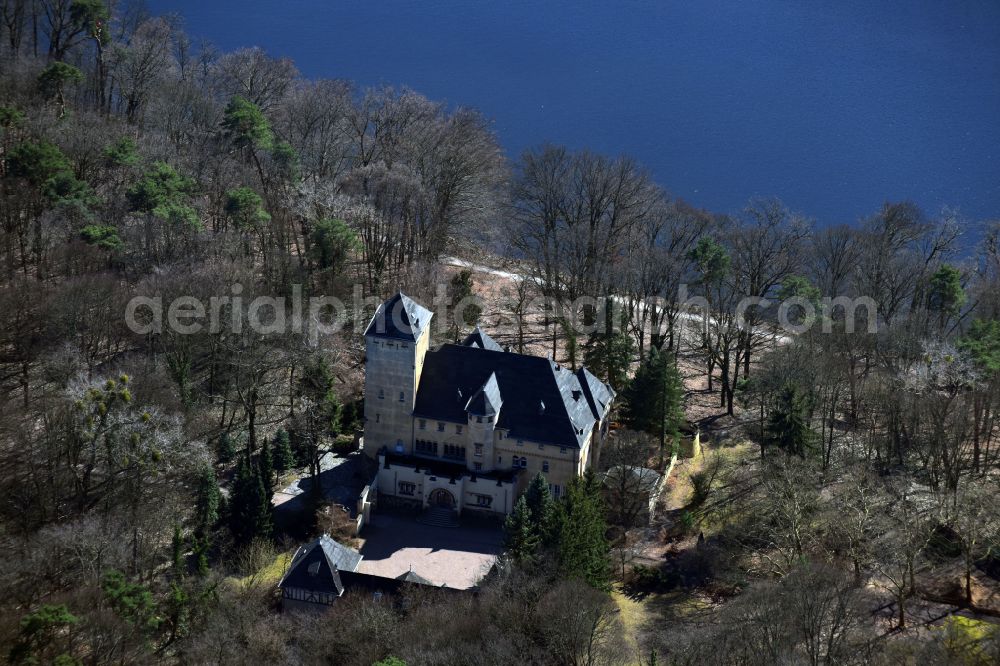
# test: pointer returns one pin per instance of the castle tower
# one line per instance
(396, 341)
(483, 410)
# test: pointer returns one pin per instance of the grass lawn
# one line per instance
(268, 575)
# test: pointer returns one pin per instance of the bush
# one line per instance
(944, 543)
(343, 445)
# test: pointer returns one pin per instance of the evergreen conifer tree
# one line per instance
(265, 466)
(225, 448)
(788, 426)
(654, 400)
(249, 508)
(284, 458)
(207, 499)
(177, 552)
(582, 547)
(521, 539)
(542, 507)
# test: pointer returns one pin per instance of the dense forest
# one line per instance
(844, 509)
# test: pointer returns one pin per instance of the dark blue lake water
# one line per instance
(832, 106)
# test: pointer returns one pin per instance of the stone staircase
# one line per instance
(438, 516)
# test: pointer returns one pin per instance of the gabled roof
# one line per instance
(643, 478)
(318, 564)
(413, 577)
(478, 338)
(400, 318)
(542, 401)
(599, 395)
(486, 401)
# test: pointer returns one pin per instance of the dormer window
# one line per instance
(440, 426)
(458, 430)
(479, 419)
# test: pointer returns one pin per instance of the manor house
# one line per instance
(466, 426)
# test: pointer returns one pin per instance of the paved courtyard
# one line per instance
(455, 556)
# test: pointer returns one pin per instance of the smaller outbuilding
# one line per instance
(323, 570)
(314, 576)
(632, 493)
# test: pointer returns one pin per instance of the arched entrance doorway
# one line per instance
(441, 497)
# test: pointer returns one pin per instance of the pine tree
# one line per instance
(542, 507)
(200, 548)
(225, 448)
(608, 356)
(317, 384)
(265, 465)
(177, 552)
(521, 539)
(207, 498)
(461, 290)
(654, 400)
(582, 547)
(284, 458)
(249, 509)
(788, 426)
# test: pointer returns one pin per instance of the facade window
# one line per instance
(541, 447)
(454, 452)
(427, 448)
(458, 430)
(562, 450)
(479, 419)
(440, 426)
(545, 466)
(489, 419)
(521, 462)
(499, 459)
(499, 435)
(484, 500)
(407, 488)
(478, 467)
(403, 345)
(381, 394)
(401, 396)
(423, 424)
(554, 488)
(520, 442)
(479, 450)
(378, 418)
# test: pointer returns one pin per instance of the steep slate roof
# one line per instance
(400, 318)
(542, 401)
(478, 338)
(644, 478)
(317, 566)
(487, 400)
(599, 395)
(413, 577)
(356, 581)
